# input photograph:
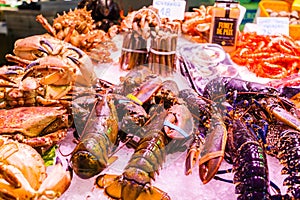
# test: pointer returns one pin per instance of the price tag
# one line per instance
(172, 9)
(272, 25)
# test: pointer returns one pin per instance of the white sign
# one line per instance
(272, 25)
(172, 9)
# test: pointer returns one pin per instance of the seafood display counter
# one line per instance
(149, 113)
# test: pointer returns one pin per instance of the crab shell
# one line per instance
(23, 174)
(33, 121)
(26, 160)
(39, 127)
(45, 81)
(38, 46)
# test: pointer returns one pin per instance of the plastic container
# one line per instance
(273, 5)
(294, 29)
(296, 5)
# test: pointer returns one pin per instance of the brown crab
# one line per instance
(23, 174)
(39, 127)
(35, 47)
(46, 81)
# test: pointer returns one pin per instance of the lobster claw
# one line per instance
(213, 150)
(193, 154)
(209, 167)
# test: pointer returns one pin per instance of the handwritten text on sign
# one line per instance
(272, 25)
(171, 9)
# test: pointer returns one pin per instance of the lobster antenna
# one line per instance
(122, 146)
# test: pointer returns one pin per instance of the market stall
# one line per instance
(152, 107)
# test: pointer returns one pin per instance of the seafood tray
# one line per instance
(171, 178)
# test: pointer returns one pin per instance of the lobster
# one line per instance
(249, 161)
(167, 130)
(114, 118)
(248, 134)
(289, 157)
(205, 117)
(145, 162)
(98, 140)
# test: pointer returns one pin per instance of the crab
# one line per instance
(23, 173)
(35, 47)
(39, 127)
(46, 81)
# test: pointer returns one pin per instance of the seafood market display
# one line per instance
(179, 103)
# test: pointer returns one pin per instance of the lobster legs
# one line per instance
(289, 156)
(251, 175)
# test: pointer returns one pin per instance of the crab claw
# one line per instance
(213, 150)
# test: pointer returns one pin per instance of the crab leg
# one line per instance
(44, 22)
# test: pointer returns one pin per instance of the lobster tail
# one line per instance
(128, 190)
(88, 162)
(289, 148)
(98, 140)
(147, 159)
(251, 175)
(251, 172)
(135, 182)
